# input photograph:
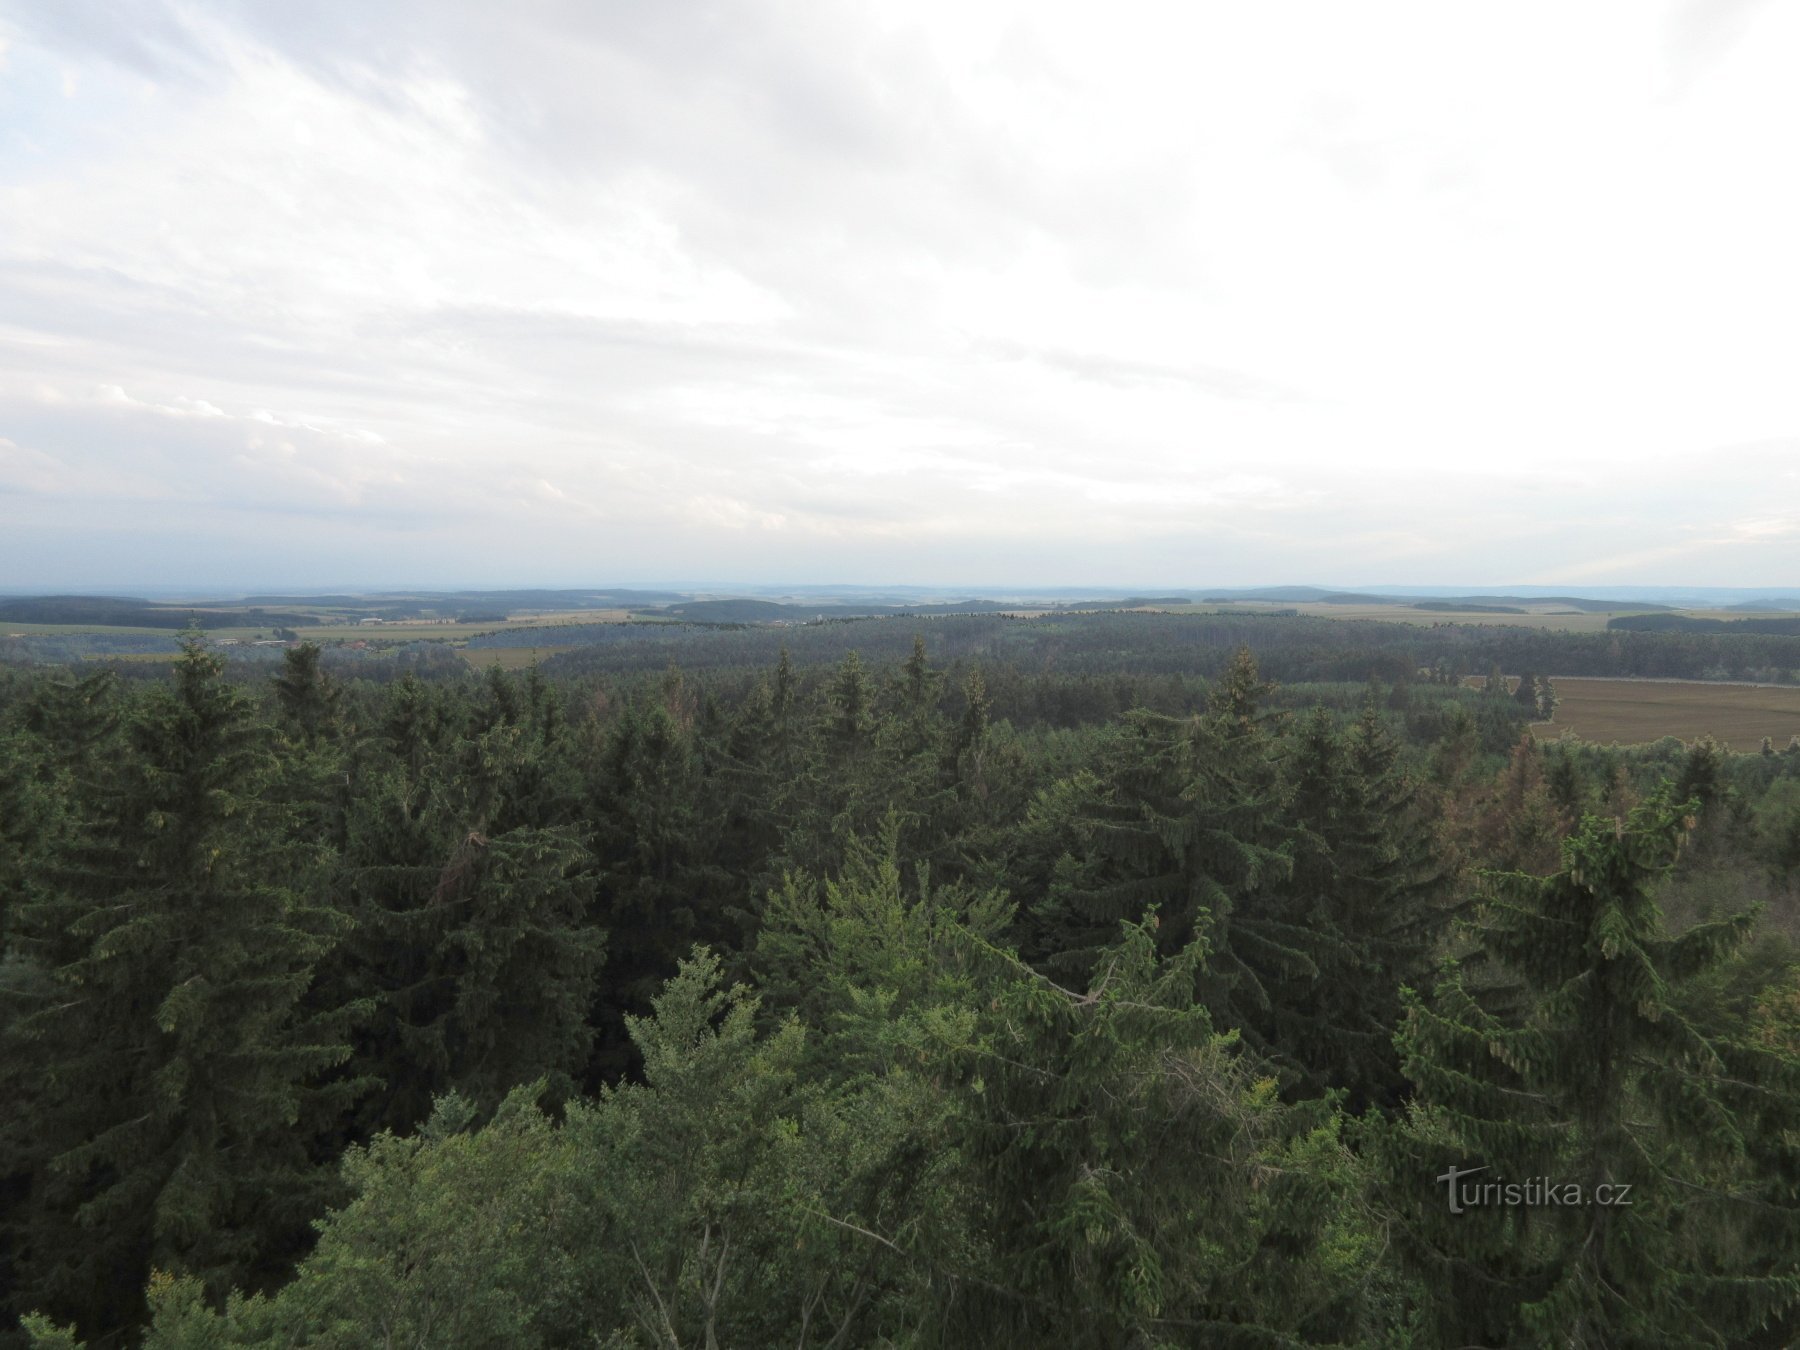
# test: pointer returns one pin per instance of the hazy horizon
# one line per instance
(1041, 292)
(908, 591)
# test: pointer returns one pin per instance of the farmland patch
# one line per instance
(1634, 711)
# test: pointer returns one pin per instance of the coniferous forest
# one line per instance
(914, 1002)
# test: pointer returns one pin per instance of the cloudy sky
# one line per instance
(588, 291)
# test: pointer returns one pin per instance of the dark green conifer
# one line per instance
(1600, 1076)
(477, 938)
(307, 696)
(1184, 816)
(165, 1072)
(1369, 882)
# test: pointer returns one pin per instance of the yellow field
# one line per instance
(1630, 712)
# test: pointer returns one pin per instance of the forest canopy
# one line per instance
(859, 996)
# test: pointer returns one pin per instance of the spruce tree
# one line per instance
(308, 698)
(1547, 699)
(28, 819)
(850, 707)
(478, 937)
(1526, 694)
(854, 788)
(166, 1071)
(1370, 882)
(1601, 1076)
(1132, 1181)
(655, 820)
(914, 770)
(1186, 817)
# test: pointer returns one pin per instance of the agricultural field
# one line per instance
(507, 658)
(1629, 712)
(9, 628)
(401, 630)
(1544, 616)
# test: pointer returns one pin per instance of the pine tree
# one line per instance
(850, 707)
(913, 769)
(166, 1071)
(1109, 1170)
(977, 709)
(1136, 1184)
(75, 722)
(1369, 882)
(29, 819)
(308, 698)
(1601, 1076)
(474, 890)
(1547, 700)
(1520, 826)
(920, 687)
(1526, 694)
(1722, 824)
(1183, 816)
(1702, 778)
(1566, 785)
(661, 890)
(854, 785)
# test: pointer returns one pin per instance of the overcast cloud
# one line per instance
(437, 291)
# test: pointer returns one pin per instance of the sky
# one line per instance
(584, 292)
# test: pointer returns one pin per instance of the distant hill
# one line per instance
(1303, 594)
(582, 598)
(1586, 605)
(1476, 604)
(771, 611)
(1075, 606)
(118, 612)
(1681, 623)
(1467, 607)
(1785, 605)
(735, 611)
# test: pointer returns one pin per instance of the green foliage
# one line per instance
(477, 937)
(307, 697)
(1371, 884)
(655, 818)
(454, 1239)
(946, 1149)
(253, 932)
(1194, 820)
(1137, 1183)
(1601, 1075)
(164, 1061)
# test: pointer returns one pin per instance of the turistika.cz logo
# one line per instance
(1535, 1192)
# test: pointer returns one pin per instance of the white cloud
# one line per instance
(1009, 291)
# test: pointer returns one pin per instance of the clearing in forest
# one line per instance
(1633, 711)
